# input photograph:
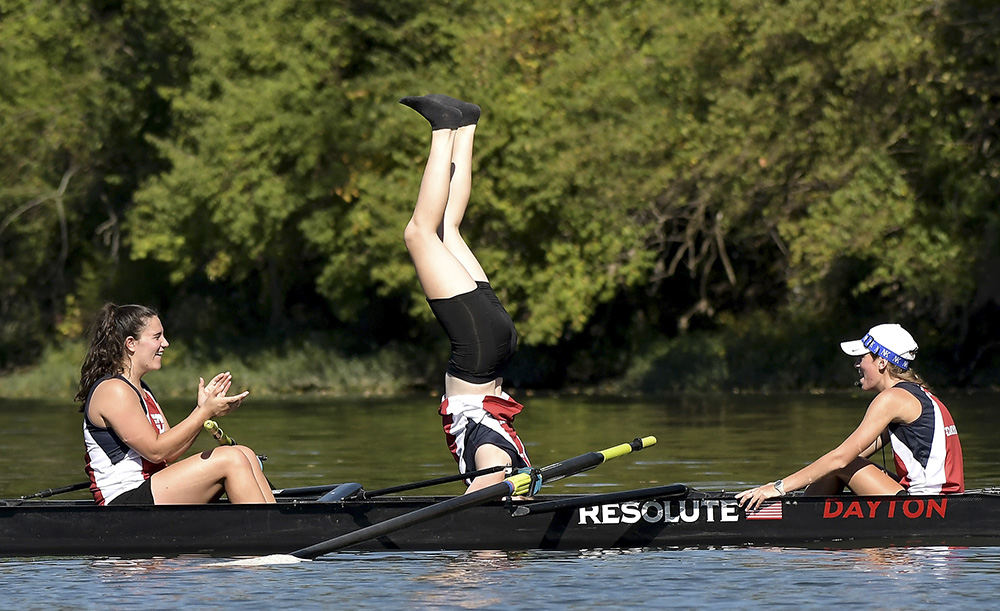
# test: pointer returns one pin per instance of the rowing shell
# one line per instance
(666, 516)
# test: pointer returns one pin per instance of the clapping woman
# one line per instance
(133, 454)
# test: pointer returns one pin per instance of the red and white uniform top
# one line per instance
(113, 466)
(462, 413)
(927, 451)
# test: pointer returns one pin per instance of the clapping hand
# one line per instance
(213, 394)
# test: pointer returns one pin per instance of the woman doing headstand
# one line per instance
(477, 415)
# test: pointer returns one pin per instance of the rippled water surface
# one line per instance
(711, 442)
(730, 578)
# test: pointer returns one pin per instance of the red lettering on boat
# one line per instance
(832, 509)
(854, 510)
(913, 513)
(912, 508)
(872, 507)
(938, 507)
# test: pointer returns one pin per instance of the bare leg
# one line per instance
(203, 477)
(258, 473)
(861, 476)
(441, 274)
(458, 201)
(488, 455)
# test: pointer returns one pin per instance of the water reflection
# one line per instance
(461, 578)
(683, 578)
(932, 562)
(710, 442)
(114, 569)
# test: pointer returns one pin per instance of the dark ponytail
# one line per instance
(106, 355)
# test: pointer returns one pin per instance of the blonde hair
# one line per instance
(907, 375)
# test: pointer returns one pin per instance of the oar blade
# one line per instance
(271, 560)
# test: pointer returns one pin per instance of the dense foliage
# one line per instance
(690, 193)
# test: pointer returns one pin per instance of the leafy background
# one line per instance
(667, 194)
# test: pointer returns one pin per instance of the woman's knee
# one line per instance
(251, 457)
(249, 453)
(413, 233)
(227, 458)
(419, 231)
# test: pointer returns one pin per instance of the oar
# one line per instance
(367, 494)
(220, 436)
(517, 484)
(225, 440)
(54, 491)
(672, 491)
(210, 426)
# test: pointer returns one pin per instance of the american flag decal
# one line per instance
(770, 510)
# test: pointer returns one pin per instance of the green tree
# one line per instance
(78, 97)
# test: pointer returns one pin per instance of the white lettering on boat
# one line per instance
(670, 512)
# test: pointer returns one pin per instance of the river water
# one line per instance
(708, 441)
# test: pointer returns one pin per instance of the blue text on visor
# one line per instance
(880, 350)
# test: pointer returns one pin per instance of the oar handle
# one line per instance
(559, 470)
(225, 440)
(625, 448)
(213, 428)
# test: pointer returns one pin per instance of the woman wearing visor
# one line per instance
(928, 455)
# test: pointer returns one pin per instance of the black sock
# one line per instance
(470, 111)
(440, 116)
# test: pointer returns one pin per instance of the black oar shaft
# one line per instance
(367, 494)
(423, 514)
(209, 425)
(54, 491)
(659, 492)
(431, 482)
(517, 483)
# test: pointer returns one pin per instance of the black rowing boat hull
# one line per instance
(686, 518)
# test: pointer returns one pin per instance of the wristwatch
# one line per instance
(780, 487)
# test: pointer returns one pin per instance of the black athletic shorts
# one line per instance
(483, 338)
(480, 435)
(140, 495)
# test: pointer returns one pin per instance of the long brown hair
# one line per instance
(106, 354)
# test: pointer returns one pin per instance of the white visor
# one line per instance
(854, 348)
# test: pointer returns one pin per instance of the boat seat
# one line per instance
(341, 492)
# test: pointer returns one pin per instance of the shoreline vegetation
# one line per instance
(698, 363)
